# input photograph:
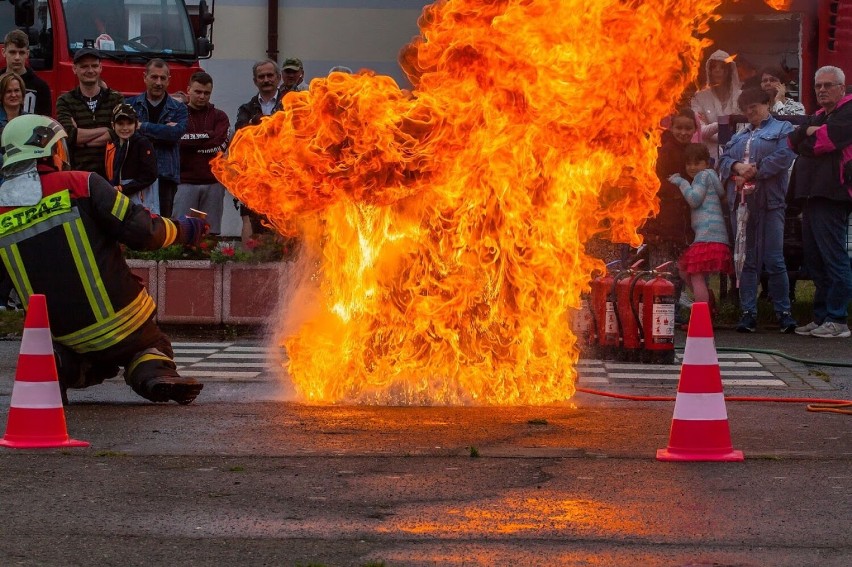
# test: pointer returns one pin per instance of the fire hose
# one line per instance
(826, 405)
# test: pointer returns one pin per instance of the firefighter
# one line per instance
(60, 235)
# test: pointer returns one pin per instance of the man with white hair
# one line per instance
(822, 184)
(267, 79)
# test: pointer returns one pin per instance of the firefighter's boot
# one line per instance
(153, 375)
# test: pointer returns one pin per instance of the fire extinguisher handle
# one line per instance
(636, 317)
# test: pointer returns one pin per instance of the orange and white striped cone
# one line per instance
(700, 424)
(36, 417)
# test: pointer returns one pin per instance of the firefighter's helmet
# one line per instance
(32, 136)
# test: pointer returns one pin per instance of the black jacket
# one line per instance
(824, 166)
(672, 223)
(135, 163)
(251, 112)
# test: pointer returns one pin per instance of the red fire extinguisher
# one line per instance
(582, 324)
(637, 291)
(658, 319)
(603, 313)
(630, 346)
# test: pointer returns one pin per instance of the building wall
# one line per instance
(322, 33)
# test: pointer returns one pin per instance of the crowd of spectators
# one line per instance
(157, 149)
(172, 137)
(774, 170)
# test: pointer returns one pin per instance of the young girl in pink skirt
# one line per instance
(710, 252)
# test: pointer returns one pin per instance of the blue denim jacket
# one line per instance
(166, 139)
(773, 156)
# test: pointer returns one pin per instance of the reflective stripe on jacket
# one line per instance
(66, 247)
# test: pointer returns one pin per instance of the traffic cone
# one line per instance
(700, 424)
(36, 418)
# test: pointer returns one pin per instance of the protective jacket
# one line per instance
(76, 228)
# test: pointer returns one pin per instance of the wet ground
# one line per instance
(245, 477)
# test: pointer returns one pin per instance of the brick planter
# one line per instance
(189, 291)
(250, 292)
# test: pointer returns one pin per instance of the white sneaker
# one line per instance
(832, 330)
(806, 330)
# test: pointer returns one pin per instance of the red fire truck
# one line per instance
(128, 33)
(801, 39)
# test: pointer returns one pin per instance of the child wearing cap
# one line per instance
(131, 164)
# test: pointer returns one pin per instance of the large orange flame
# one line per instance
(443, 229)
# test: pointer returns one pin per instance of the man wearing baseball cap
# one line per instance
(131, 163)
(86, 112)
(292, 76)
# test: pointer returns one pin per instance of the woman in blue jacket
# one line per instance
(756, 163)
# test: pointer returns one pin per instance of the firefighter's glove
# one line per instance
(192, 230)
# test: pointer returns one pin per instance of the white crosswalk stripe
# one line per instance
(227, 375)
(737, 369)
(227, 362)
(252, 362)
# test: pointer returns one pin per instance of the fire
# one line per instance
(443, 229)
(779, 5)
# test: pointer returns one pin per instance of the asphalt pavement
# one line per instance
(247, 476)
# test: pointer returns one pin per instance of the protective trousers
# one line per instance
(146, 355)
